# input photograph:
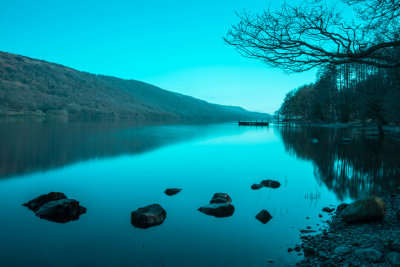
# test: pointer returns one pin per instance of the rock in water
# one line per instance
(218, 209)
(264, 216)
(327, 209)
(271, 183)
(256, 186)
(36, 203)
(148, 216)
(172, 191)
(56, 207)
(61, 211)
(341, 207)
(364, 210)
(221, 198)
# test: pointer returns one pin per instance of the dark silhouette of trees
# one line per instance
(316, 34)
(351, 92)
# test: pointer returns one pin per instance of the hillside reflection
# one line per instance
(364, 167)
(31, 146)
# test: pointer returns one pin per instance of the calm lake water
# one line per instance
(115, 168)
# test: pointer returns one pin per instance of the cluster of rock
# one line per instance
(56, 207)
(363, 233)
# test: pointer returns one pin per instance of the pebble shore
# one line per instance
(358, 244)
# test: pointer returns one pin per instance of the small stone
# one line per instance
(328, 210)
(264, 216)
(297, 248)
(308, 251)
(341, 250)
(289, 249)
(256, 186)
(172, 191)
(394, 258)
(368, 254)
(307, 231)
(271, 183)
(322, 254)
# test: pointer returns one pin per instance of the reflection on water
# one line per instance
(34, 146)
(116, 168)
(366, 166)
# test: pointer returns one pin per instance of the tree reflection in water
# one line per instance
(366, 166)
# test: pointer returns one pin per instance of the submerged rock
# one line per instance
(264, 216)
(364, 210)
(56, 207)
(172, 191)
(271, 183)
(61, 211)
(36, 203)
(221, 198)
(148, 216)
(218, 209)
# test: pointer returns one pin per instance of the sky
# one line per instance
(175, 44)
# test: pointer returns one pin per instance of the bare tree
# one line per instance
(312, 34)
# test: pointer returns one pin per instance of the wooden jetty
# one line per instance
(253, 123)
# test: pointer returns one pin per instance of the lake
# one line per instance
(114, 168)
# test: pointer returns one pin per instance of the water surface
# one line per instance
(115, 168)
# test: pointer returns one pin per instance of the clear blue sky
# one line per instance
(174, 44)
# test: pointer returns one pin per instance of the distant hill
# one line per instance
(39, 88)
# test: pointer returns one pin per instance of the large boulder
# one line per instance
(221, 198)
(148, 216)
(364, 210)
(36, 203)
(61, 211)
(341, 207)
(271, 183)
(56, 207)
(218, 209)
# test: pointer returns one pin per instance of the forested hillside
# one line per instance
(35, 87)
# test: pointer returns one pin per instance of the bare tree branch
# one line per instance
(299, 38)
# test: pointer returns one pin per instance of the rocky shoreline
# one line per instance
(374, 243)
